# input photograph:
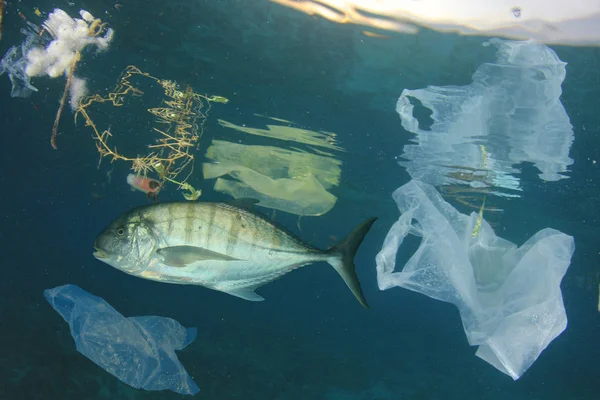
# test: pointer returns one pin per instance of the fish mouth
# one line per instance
(100, 254)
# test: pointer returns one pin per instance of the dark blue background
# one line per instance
(310, 339)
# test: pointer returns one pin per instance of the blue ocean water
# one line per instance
(310, 339)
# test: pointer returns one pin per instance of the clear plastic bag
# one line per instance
(509, 114)
(509, 297)
(140, 351)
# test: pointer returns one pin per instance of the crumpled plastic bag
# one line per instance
(293, 181)
(509, 114)
(140, 351)
(509, 297)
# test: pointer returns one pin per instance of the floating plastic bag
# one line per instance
(509, 298)
(140, 351)
(293, 181)
(511, 113)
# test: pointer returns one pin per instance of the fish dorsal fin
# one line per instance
(245, 203)
(181, 256)
(245, 293)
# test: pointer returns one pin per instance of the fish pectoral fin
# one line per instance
(180, 256)
(245, 293)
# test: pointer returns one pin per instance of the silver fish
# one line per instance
(221, 246)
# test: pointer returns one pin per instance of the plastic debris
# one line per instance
(295, 181)
(139, 351)
(509, 297)
(511, 113)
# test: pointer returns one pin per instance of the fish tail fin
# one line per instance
(342, 259)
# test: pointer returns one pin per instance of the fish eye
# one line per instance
(120, 231)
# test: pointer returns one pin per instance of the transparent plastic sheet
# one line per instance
(509, 297)
(139, 351)
(293, 181)
(511, 113)
(14, 63)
